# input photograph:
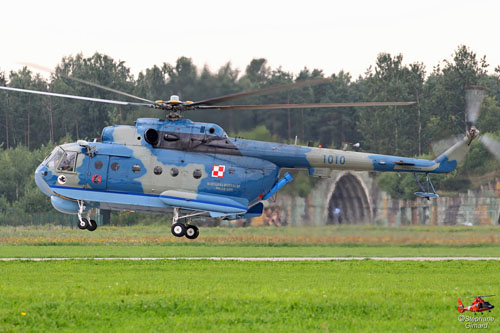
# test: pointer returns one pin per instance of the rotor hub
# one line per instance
(472, 133)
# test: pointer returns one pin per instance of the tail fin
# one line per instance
(460, 306)
(455, 154)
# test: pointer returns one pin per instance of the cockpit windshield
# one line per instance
(68, 162)
(62, 160)
(54, 158)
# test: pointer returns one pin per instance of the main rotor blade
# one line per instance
(76, 97)
(300, 106)
(264, 91)
(474, 96)
(492, 145)
(87, 82)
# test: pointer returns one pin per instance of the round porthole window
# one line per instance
(136, 168)
(158, 170)
(197, 173)
(174, 172)
(98, 165)
(115, 166)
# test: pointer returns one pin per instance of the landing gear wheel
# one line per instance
(192, 231)
(83, 223)
(178, 229)
(92, 225)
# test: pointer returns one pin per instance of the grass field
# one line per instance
(202, 250)
(332, 241)
(200, 295)
(327, 235)
(239, 296)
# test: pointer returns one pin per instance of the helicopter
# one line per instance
(478, 305)
(190, 169)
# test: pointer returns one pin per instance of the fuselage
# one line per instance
(159, 164)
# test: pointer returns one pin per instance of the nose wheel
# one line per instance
(85, 223)
(92, 225)
(180, 229)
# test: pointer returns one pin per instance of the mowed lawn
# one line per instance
(236, 250)
(329, 241)
(159, 234)
(233, 296)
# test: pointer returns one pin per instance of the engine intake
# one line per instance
(151, 136)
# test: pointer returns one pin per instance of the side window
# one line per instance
(68, 162)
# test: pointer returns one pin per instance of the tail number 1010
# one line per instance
(331, 159)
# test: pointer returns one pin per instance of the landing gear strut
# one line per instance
(428, 192)
(180, 229)
(85, 223)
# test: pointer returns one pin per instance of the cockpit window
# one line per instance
(68, 161)
(54, 158)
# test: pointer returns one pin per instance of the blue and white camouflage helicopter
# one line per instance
(193, 168)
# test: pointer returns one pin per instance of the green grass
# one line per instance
(327, 235)
(232, 296)
(203, 250)
(330, 241)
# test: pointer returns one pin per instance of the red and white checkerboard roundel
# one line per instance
(218, 170)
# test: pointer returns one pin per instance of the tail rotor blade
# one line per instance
(474, 96)
(492, 145)
(440, 146)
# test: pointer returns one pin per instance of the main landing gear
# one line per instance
(85, 223)
(180, 229)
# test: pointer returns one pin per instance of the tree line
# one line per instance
(31, 124)
(31, 120)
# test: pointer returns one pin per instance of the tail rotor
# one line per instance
(474, 96)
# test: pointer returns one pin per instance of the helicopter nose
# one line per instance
(40, 173)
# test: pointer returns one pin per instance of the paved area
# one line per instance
(270, 258)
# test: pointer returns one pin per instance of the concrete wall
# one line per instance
(362, 202)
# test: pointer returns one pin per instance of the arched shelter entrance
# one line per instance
(350, 194)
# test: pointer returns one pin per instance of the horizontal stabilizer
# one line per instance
(426, 195)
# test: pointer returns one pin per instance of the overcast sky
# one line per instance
(329, 35)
